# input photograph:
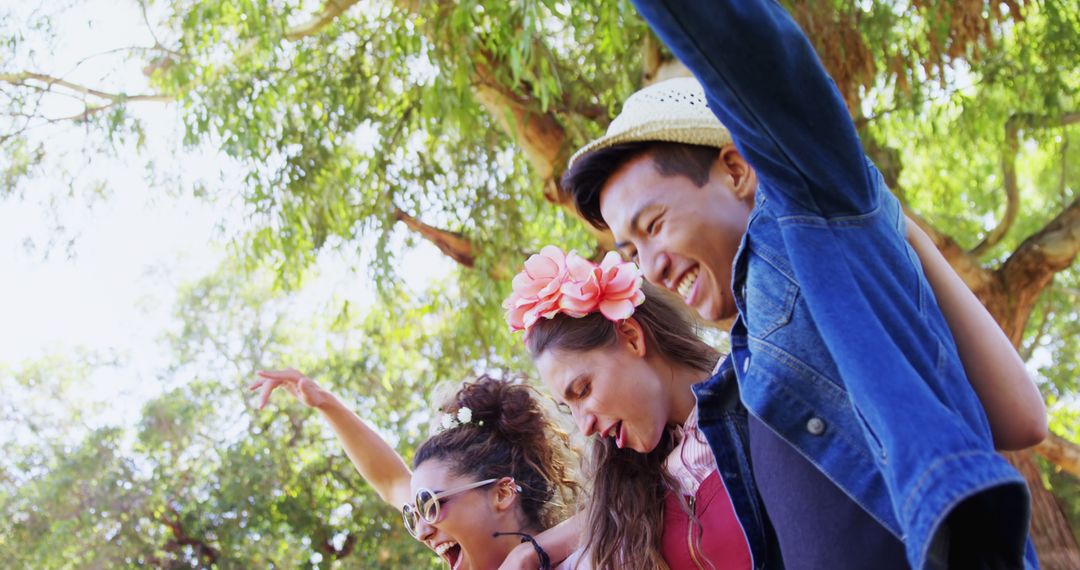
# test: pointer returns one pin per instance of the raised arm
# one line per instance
(376, 461)
(1013, 404)
(764, 81)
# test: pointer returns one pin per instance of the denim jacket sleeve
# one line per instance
(839, 229)
(783, 110)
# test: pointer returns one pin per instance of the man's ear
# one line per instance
(631, 336)
(506, 492)
(743, 177)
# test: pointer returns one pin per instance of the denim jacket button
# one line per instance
(816, 426)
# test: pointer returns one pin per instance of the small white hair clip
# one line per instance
(463, 416)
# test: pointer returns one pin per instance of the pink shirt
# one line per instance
(690, 464)
(692, 461)
(713, 539)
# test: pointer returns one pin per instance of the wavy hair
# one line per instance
(517, 438)
(626, 504)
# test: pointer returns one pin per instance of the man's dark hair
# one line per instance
(590, 173)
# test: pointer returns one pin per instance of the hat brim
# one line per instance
(686, 131)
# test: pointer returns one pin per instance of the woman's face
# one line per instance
(462, 534)
(613, 391)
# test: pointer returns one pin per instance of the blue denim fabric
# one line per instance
(723, 420)
(839, 345)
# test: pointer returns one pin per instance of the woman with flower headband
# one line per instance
(627, 362)
(496, 471)
(623, 358)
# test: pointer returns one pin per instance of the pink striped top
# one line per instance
(689, 463)
(692, 461)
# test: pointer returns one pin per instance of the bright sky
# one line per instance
(115, 293)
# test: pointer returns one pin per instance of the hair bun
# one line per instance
(505, 406)
(506, 432)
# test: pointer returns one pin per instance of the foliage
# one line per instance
(205, 478)
(458, 115)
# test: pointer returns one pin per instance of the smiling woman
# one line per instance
(497, 469)
(628, 382)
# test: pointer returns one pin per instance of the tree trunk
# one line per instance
(1050, 531)
(1010, 298)
(1062, 453)
(1009, 293)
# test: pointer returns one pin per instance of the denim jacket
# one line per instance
(839, 345)
(723, 419)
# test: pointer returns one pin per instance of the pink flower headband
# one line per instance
(554, 282)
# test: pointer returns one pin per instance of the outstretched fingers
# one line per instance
(286, 374)
(267, 387)
(290, 378)
(257, 384)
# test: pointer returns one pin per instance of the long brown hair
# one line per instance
(626, 504)
(509, 434)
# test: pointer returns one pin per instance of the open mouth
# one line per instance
(451, 553)
(617, 432)
(686, 283)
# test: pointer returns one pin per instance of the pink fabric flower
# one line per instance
(553, 282)
(536, 289)
(613, 287)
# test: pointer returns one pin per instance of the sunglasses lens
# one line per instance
(408, 517)
(427, 505)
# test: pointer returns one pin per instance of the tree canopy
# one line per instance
(368, 128)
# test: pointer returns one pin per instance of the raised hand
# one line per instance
(301, 387)
(373, 458)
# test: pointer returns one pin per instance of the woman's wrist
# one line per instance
(326, 401)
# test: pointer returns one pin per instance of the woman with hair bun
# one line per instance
(496, 471)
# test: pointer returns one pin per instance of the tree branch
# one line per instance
(1009, 153)
(453, 244)
(93, 110)
(1046, 252)
(21, 78)
(975, 276)
(181, 538)
(146, 20)
(330, 12)
(1017, 284)
(656, 67)
(1061, 452)
(44, 84)
(1027, 350)
(538, 134)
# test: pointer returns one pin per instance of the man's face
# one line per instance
(683, 237)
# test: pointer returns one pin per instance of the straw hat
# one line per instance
(673, 111)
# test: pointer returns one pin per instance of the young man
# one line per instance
(866, 438)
